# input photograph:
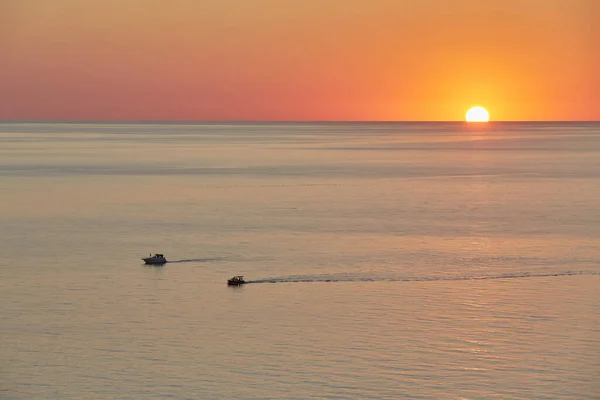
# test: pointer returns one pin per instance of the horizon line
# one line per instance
(215, 121)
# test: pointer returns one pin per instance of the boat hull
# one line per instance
(154, 261)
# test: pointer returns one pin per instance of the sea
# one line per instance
(383, 260)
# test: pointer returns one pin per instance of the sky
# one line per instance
(426, 60)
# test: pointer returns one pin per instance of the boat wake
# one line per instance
(364, 278)
(196, 260)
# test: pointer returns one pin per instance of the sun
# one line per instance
(477, 114)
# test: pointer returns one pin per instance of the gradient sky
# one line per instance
(299, 59)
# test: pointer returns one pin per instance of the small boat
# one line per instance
(236, 281)
(157, 259)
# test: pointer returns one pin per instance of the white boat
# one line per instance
(156, 259)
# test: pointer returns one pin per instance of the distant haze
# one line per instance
(299, 60)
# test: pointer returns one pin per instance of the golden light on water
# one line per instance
(477, 114)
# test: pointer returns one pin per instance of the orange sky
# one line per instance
(299, 59)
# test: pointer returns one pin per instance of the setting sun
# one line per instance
(477, 114)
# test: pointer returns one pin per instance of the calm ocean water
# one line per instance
(387, 261)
